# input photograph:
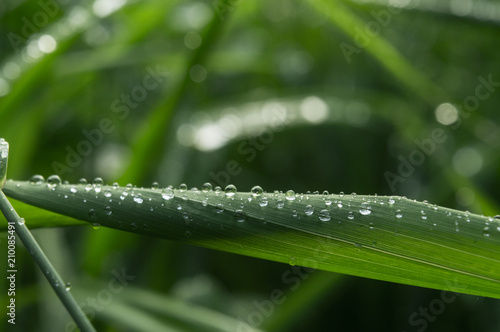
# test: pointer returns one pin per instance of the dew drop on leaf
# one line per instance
(423, 215)
(138, 199)
(187, 234)
(53, 181)
(350, 215)
(206, 187)
(96, 226)
(73, 189)
(219, 208)
(230, 190)
(292, 261)
(263, 201)
(68, 286)
(167, 193)
(309, 210)
(239, 216)
(365, 209)
(290, 195)
(324, 215)
(486, 231)
(107, 193)
(92, 213)
(155, 185)
(399, 214)
(108, 211)
(256, 191)
(182, 187)
(82, 181)
(391, 201)
(280, 204)
(115, 185)
(37, 179)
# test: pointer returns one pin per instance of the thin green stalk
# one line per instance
(36, 252)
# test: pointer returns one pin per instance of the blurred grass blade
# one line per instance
(385, 238)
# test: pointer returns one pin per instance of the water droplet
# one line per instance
(280, 203)
(292, 261)
(326, 193)
(204, 202)
(486, 231)
(423, 215)
(206, 187)
(263, 201)
(350, 215)
(21, 221)
(98, 182)
(107, 193)
(219, 208)
(138, 199)
(133, 226)
(328, 202)
(290, 195)
(239, 216)
(53, 181)
(37, 179)
(107, 210)
(155, 185)
(187, 234)
(256, 191)
(371, 226)
(182, 187)
(82, 181)
(341, 194)
(230, 190)
(399, 214)
(353, 194)
(96, 225)
(339, 204)
(92, 213)
(167, 193)
(365, 209)
(115, 185)
(309, 210)
(217, 190)
(295, 213)
(68, 286)
(73, 189)
(391, 201)
(88, 187)
(324, 215)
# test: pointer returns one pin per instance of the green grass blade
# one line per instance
(385, 238)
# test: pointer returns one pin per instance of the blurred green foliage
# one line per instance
(341, 122)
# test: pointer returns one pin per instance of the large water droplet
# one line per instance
(365, 209)
(290, 195)
(138, 199)
(167, 193)
(37, 179)
(239, 216)
(309, 210)
(324, 215)
(230, 190)
(98, 182)
(256, 191)
(182, 187)
(206, 187)
(53, 181)
(399, 214)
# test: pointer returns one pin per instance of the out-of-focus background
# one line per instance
(395, 97)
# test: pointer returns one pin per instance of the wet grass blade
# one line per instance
(385, 238)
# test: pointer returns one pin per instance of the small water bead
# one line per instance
(187, 234)
(133, 226)
(399, 214)
(328, 202)
(339, 204)
(167, 193)
(92, 213)
(294, 213)
(68, 286)
(326, 193)
(96, 226)
(423, 215)
(115, 185)
(486, 232)
(37, 179)
(365, 209)
(350, 215)
(182, 187)
(290, 195)
(155, 185)
(21, 221)
(88, 187)
(138, 199)
(65, 196)
(371, 226)
(324, 215)
(341, 194)
(292, 261)
(206, 187)
(108, 211)
(73, 190)
(309, 210)
(217, 190)
(239, 216)
(219, 208)
(129, 186)
(107, 193)
(82, 181)
(53, 181)
(280, 203)
(263, 201)
(257, 191)
(179, 207)
(391, 201)
(230, 190)
(204, 202)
